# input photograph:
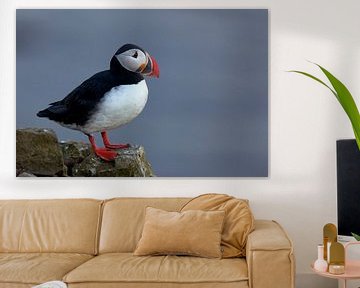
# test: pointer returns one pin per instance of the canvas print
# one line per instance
(142, 93)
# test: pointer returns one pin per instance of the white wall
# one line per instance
(305, 120)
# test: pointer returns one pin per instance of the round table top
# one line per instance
(352, 271)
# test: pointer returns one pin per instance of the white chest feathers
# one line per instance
(118, 106)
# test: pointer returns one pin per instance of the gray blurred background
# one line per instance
(207, 114)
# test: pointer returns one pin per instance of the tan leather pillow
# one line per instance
(239, 220)
(196, 233)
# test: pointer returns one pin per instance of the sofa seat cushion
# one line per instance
(127, 268)
(36, 268)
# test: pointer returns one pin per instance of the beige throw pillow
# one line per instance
(239, 220)
(193, 232)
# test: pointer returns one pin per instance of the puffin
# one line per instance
(107, 100)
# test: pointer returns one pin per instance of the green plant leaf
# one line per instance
(344, 97)
(357, 237)
(316, 79)
(357, 137)
(347, 102)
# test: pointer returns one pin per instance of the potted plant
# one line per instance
(345, 99)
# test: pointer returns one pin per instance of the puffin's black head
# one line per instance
(135, 59)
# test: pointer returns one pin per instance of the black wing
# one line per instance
(77, 107)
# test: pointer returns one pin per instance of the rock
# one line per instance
(38, 153)
(74, 153)
(26, 174)
(130, 162)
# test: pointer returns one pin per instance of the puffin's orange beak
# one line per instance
(151, 68)
(155, 72)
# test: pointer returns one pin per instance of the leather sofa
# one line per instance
(89, 243)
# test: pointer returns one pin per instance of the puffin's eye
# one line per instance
(135, 54)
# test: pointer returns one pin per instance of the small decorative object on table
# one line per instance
(329, 237)
(320, 264)
(337, 259)
(340, 267)
(51, 284)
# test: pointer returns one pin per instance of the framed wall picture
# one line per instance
(205, 115)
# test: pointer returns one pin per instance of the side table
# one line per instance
(352, 268)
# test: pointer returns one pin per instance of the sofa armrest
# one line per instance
(269, 256)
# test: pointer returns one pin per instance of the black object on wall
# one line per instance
(348, 187)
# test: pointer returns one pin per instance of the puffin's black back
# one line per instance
(78, 106)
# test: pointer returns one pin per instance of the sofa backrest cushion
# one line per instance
(123, 220)
(64, 226)
(238, 224)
